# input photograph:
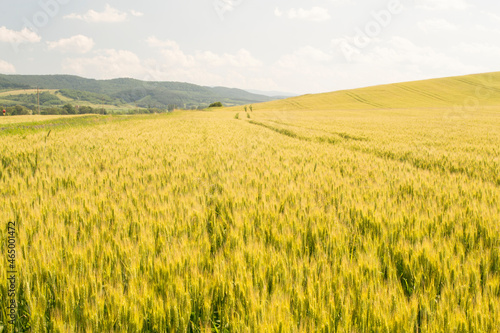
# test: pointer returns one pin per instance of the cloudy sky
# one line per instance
(293, 46)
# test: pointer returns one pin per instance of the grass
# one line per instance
(381, 220)
(31, 119)
(27, 92)
(33, 124)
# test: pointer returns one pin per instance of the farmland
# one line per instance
(115, 95)
(298, 216)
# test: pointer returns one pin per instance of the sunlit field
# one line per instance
(470, 93)
(31, 119)
(298, 221)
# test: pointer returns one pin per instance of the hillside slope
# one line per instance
(141, 93)
(470, 90)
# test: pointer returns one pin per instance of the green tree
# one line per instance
(17, 110)
(51, 110)
(69, 109)
(216, 105)
(85, 110)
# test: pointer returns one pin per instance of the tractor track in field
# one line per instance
(423, 93)
(345, 136)
(364, 101)
(417, 163)
(478, 84)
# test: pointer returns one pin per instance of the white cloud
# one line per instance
(155, 42)
(436, 25)
(236, 69)
(493, 15)
(315, 14)
(401, 51)
(242, 59)
(479, 49)
(16, 37)
(341, 2)
(227, 5)
(6, 68)
(383, 61)
(442, 4)
(306, 56)
(110, 15)
(77, 44)
(483, 29)
(136, 13)
(230, 69)
(106, 64)
(174, 56)
(306, 64)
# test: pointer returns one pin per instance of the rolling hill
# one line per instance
(132, 92)
(467, 91)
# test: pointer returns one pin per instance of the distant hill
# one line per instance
(133, 92)
(274, 94)
(466, 91)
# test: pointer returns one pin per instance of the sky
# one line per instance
(271, 45)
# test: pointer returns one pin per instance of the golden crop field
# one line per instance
(30, 120)
(361, 220)
(26, 91)
(468, 92)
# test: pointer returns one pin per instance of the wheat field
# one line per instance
(460, 94)
(382, 220)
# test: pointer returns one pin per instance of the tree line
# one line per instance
(68, 109)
